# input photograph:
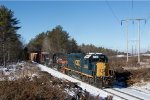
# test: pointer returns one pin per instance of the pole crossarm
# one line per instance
(137, 19)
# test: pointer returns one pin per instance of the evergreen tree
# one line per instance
(73, 46)
(55, 41)
(36, 44)
(58, 40)
(9, 39)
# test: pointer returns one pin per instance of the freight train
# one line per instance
(92, 67)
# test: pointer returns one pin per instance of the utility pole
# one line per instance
(139, 40)
(126, 35)
(134, 45)
(132, 51)
(138, 20)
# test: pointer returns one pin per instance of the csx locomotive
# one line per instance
(92, 67)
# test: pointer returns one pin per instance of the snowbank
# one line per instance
(91, 89)
(143, 87)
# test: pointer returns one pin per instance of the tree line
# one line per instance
(55, 41)
(58, 40)
(10, 42)
(52, 41)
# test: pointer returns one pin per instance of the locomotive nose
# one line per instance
(100, 70)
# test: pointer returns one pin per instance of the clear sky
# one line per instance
(89, 22)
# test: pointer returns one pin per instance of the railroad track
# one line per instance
(111, 91)
(121, 94)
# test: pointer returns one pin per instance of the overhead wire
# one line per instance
(132, 9)
(132, 4)
(112, 11)
(148, 17)
(146, 20)
(132, 17)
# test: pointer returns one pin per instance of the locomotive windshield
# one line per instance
(103, 58)
(98, 58)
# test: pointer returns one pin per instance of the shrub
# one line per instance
(25, 89)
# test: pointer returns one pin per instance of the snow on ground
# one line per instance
(91, 89)
(141, 90)
(96, 91)
(143, 87)
(134, 92)
(16, 71)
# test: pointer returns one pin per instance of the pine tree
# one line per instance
(9, 39)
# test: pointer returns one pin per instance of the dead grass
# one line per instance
(131, 72)
(27, 89)
(138, 75)
(118, 63)
(44, 86)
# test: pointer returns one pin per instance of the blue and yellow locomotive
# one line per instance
(92, 68)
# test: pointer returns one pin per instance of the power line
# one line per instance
(132, 9)
(132, 4)
(148, 17)
(112, 11)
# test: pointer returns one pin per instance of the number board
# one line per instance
(95, 57)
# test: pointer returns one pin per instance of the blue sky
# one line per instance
(89, 22)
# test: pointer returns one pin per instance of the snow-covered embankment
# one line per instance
(91, 89)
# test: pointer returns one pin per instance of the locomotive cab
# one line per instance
(98, 63)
